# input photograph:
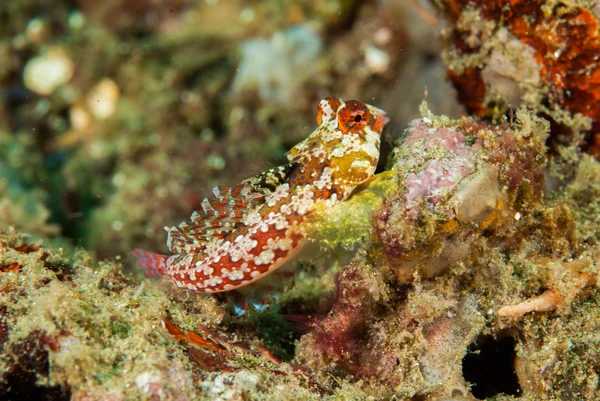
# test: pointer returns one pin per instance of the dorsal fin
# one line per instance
(268, 181)
(225, 211)
(193, 238)
(227, 203)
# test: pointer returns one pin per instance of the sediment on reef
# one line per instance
(474, 239)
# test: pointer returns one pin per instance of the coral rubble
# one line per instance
(541, 54)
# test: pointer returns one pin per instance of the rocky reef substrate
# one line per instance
(466, 270)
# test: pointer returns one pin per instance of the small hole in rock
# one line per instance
(489, 367)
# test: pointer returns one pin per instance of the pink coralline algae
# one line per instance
(250, 230)
(436, 177)
(457, 180)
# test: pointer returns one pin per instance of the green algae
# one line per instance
(350, 222)
(105, 333)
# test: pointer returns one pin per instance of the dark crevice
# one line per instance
(20, 382)
(489, 367)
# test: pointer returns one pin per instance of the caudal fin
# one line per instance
(153, 264)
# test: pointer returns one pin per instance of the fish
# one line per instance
(247, 231)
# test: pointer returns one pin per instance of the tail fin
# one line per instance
(153, 264)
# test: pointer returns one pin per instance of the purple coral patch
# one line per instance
(434, 178)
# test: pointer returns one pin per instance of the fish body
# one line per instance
(248, 231)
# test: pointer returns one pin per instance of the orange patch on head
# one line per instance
(378, 121)
(327, 109)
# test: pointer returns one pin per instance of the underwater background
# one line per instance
(466, 269)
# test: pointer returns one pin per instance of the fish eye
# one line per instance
(353, 116)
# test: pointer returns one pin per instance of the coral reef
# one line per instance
(465, 269)
(460, 255)
(451, 267)
(540, 54)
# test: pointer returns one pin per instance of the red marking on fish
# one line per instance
(248, 231)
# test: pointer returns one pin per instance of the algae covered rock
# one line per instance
(460, 248)
(74, 328)
(465, 254)
(458, 180)
(466, 269)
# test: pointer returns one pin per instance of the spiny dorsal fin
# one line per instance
(268, 181)
(225, 211)
(227, 203)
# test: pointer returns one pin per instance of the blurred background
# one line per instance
(117, 117)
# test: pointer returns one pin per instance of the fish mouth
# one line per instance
(381, 120)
